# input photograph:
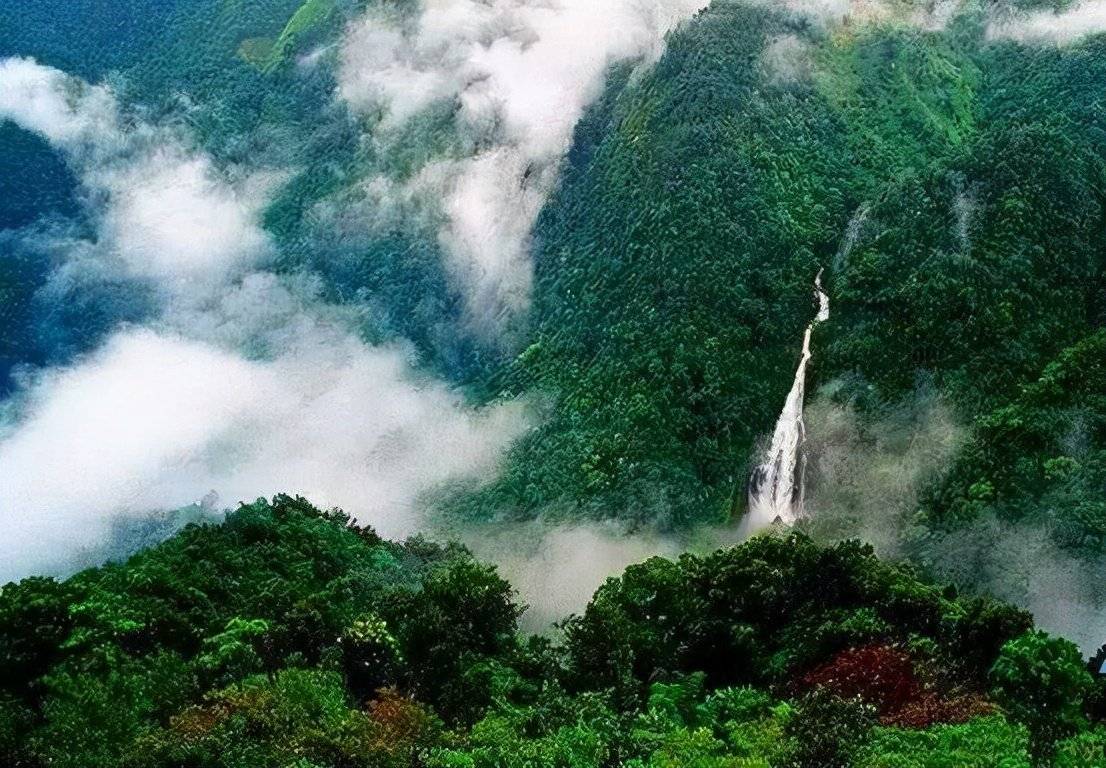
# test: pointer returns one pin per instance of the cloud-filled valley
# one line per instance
(236, 382)
(241, 383)
(349, 291)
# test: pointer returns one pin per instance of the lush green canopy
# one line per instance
(290, 636)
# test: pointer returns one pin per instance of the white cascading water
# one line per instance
(776, 486)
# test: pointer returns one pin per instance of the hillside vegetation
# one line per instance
(288, 636)
(950, 183)
(951, 187)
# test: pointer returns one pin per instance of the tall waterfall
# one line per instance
(776, 486)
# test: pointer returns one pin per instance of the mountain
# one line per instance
(286, 635)
(949, 183)
(570, 283)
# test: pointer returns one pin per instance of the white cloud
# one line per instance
(244, 382)
(156, 421)
(787, 59)
(1048, 26)
(169, 215)
(519, 74)
(64, 110)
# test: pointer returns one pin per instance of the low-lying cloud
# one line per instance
(156, 421)
(240, 383)
(167, 214)
(1021, 563)
(516, 76)
(1069, 25)
(867, 474)
(556, 569)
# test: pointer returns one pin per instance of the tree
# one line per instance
(1042, 682)
(370, 656)
(986, 742)
(463, 613)
(826, 728)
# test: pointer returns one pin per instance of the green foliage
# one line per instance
(309, 23)
(760, 612)
(35, 616)
(826, 729)
(371, 656)
(907, 98)
(986, 742)
(673, 264)
(91, 665)
(461, 613)
(1018, 458)
(1042, 682)
(673, 267)
(679, 726)
(1084, 750)
(230, 655)
(287, 636)
(952, 187)
(495, 742)
(673, 279)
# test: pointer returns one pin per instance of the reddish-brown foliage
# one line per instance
(197, 722)
(929, 708)
(389, 732)
(880, 675)
(885, 677)
(398, 719)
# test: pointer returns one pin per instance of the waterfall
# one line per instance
(776, 489)
(852, 233)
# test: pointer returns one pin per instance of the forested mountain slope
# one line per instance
(948, 179)
(286, 636)
(951, 186)
(480, 265)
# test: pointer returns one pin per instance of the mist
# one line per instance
(514, 77)
(236, 382)
(165, 213)
(557, 568)
(866, 471)
(1022, 563)
(241, 384)
(867, 474)
(1063, 27)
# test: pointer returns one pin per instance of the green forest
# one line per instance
(674, 266)
(950, 184)
(945, 176)
(289, 636)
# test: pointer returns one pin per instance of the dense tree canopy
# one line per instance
(950, 183)
(289, 636)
